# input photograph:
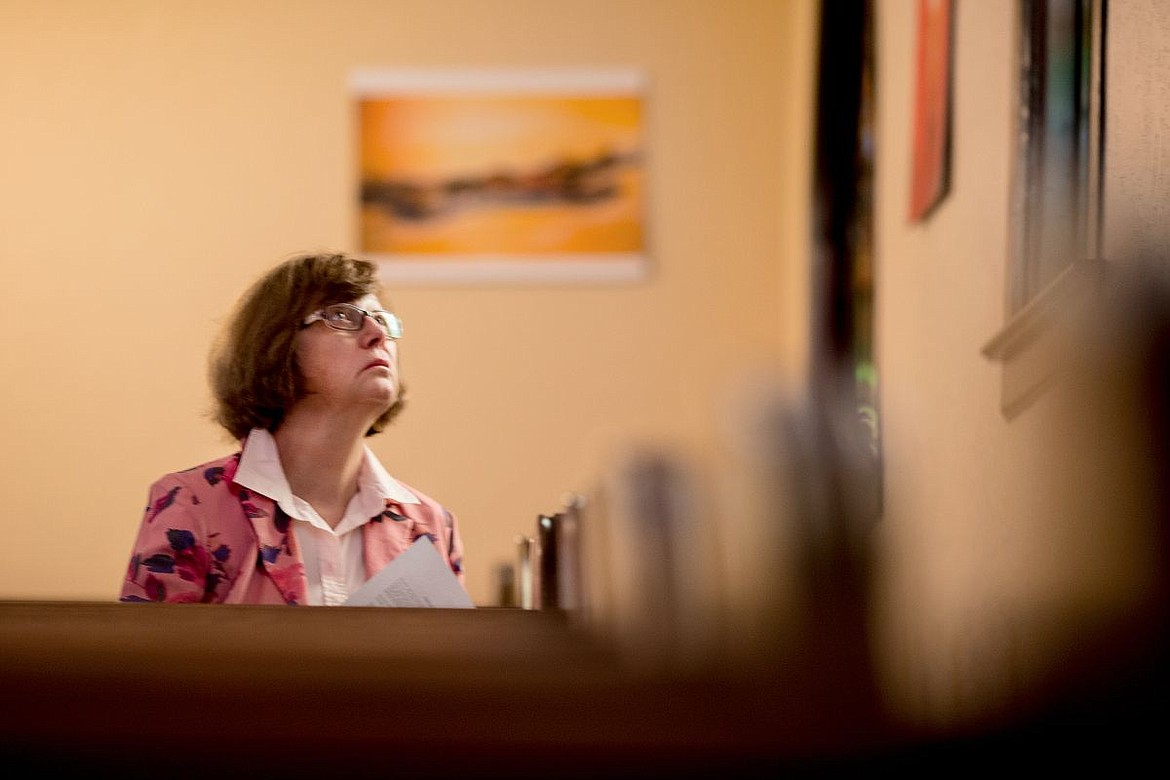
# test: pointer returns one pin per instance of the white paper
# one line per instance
(419, 577)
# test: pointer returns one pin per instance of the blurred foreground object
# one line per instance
(763, 581)
(769, 572)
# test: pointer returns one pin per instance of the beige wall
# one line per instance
(1004, 543)
(156, 156)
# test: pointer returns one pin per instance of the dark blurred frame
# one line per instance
(1056, 204)
(844, 370)
(1056, 186)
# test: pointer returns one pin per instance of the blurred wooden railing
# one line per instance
(179, 690)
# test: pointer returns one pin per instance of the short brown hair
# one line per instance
(254, 375)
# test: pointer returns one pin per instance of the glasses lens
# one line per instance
(343, 317)
(390, 323)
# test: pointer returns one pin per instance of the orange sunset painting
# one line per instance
(525, 175)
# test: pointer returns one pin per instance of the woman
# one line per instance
(304, 513)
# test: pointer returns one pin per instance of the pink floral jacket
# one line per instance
(207, 539)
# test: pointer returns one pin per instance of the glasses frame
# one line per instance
(392, 329)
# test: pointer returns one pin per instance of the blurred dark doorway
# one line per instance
(843, 264)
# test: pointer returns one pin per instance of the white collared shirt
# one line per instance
(333, 557)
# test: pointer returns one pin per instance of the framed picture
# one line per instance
(1054, 259)
(501, 176)
(1056, 198)
(930, 178)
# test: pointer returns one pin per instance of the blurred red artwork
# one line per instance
(931, 174)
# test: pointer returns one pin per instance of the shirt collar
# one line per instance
(380, 483)
(260, 471)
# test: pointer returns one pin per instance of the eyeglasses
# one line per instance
(346, 316)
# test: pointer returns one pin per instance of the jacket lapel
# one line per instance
(277, 546)
(386, 536)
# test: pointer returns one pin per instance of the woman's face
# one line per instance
(349, 369)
